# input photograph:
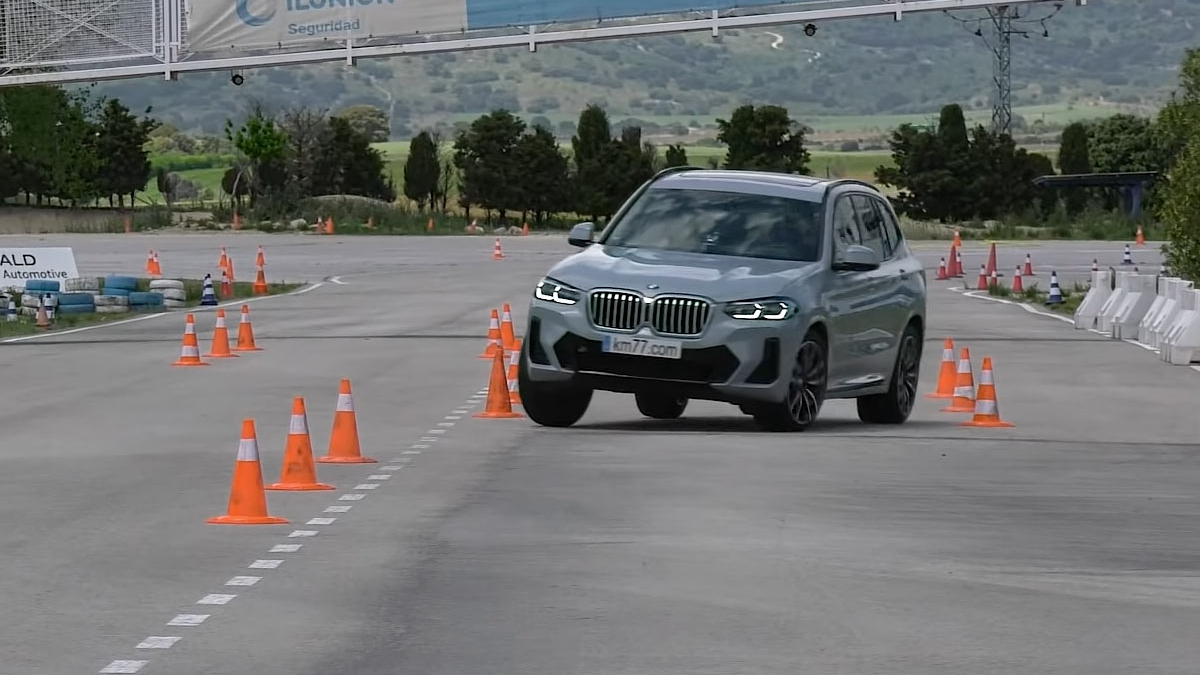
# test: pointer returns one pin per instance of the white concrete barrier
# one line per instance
(1089, 310)
(1181, 339)
(1140, 294)
(1108, 310)
(1147, 322)
(1175, 291)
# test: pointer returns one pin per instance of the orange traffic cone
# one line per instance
(958, 266)
(983, 280)
(508, 337)
(261, 260)
(226, 287)
(991, 261)
(497, 253)
(157, 266)
(1141, 236)
(495, 341)
(987, 409)
(514, 371)
(220, 340)
(247, 498)
(429, 225)
(947, 374)
(237, 221)
(953, 269)
(246, 334)
(1018, 286)
(150, 263)
(343, 442)
(1028, 266)
(43, 319)
(329, 225)
(957, 240)
(498, 404)
(260, 282)
(964, 386)
(299, 472)
(229, 268)
(525, 230)
(190, 356)
(942, 274)
(223, 263)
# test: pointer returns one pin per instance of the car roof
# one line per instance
(807, 188)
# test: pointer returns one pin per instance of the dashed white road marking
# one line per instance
(188, 619)
(452, 417)
(302, 533)
(338, 281)
(320, 521)
(390, 468)
(285, 548)
(427, 439)
(436, 431)
(216, 599)
(378, 476)
(158, 642)
(243, 581)
(421, 446)
(338, 509)
(265, 564)
(446, 424)
(366, 486)
(350, 498)
(124, 666)
(462, 411)
(410, 452)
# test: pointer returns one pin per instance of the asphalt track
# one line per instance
(1068, 544)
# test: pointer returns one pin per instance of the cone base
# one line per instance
(505, 415)
(986, 423)
(330, 459)
(937, 395)
(247, 349)
(300, 487)
(220, 356)
(247, 520)
(189, 363)
(957, 409)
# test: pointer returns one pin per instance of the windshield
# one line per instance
(721, 223)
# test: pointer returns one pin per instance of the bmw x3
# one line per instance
(772, 292)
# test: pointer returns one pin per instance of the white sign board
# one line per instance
(18, 265)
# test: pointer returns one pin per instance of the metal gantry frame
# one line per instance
(171, 57)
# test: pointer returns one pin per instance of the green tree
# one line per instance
(485, 156)
(359, 167)
(592, 152)
(264, 144)
(676, 155)
(764, 138)
(544, 180)
(369, 121)
(952, 130)
(1073, 159)
(1179, 124)
(928, 188)
(307, 132)
(422, 170)
(1180, 118)
(632, 164)
(1124, 143)
(124, 161)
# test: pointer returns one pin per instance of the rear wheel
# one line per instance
(660, 406)
(551, 404)
(896, 404)
(805, 393)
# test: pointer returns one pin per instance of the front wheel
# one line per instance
(660, 406)
(896, 404)
(551, 404)
(806, 390)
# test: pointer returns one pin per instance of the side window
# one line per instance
(845, 227)
(891, 229)
(872, 226)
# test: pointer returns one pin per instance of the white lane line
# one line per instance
(1025, 306)
(265, 564)
(353, 497)
(379, 476)
(452, 417)
(124, 666)
(188, 620)
(461, 411)
(366, 486)
(321, 521)
(338, 280)
(108, 324)
(411, 452)
(243, 581)
(285, 548)
(446, 424)
(426, 439)
(436, 431)
(302, 533)
(216, 599)
(338, 509)
(390, 468)
(158, 642)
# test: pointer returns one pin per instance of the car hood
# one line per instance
(719, 277)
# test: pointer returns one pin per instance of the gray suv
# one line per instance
(773, 292)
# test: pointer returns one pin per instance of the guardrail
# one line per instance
(1160, 313)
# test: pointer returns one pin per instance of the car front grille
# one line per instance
(667, 315)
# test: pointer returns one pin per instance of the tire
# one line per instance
(163, 284)
(116, 292)
(806, 389)
(76, 309)
(112, 300)
(139, 299)
(81, 285)
(173, 294)
(67, 299)
(661, 406)
(173, 304)
(115, 281)
(112, 309)
(896, 404)
(550, 404)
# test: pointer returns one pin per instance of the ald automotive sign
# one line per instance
(233, 24)
(18, 265)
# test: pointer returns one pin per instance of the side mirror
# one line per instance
(857, 258)
(581, 235)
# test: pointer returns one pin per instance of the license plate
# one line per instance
(640, 346)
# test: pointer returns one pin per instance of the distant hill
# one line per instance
(1110, 54)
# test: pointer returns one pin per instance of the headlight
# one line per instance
(553, 291)
(770, 309)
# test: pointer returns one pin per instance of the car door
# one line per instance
(910, 282)
(848, 300)
(880, 287)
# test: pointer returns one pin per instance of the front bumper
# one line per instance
(733, 360)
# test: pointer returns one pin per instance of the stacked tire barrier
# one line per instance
(114, 298)
(171, 291)
(1157, 312)
(76, 303)
(35, 290)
